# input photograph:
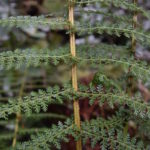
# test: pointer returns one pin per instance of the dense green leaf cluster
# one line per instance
(32, 57)
(108, 133)
(39, 101)
(35, 101)
(85, 54)
(51, 138)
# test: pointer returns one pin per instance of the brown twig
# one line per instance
(74, 72)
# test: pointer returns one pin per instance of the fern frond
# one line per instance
(98, 127)
(117, 3)
(35, 101)
(38, 101)
(114, 121)
(136, 104)
(141, 36)
(138, 68)
(102, 80)
(109, 133)
(85, 54)
(26, 21)
(32, 57)
(108, 137)
(50, 138)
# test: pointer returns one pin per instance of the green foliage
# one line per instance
(138, 68)
(114, 96)
(32, 57)
(117, 3)
(98, 131)
(108, 136)
(34, 102)
(50, 138)
(26, 21)
(117, 30)
(109, 133)
(37, 101)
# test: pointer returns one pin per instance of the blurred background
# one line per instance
(42, 77)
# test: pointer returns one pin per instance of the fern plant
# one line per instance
(110, 132)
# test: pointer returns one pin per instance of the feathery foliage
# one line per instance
(32, 57)
(39, 101)
(109, 132)
(26, 21)
(35, 101)
(98, 132)
(119, 4)
(51, 138)
(117, 30)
